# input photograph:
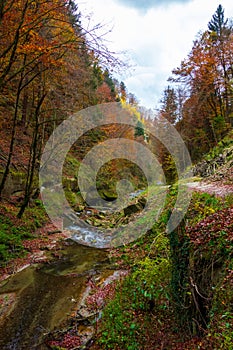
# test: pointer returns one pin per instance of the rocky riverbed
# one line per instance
(44, 304)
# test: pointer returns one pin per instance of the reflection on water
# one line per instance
(45, 296)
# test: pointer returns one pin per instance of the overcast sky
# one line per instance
(156, 34)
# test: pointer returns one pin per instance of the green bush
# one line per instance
(141, 292)
(13, 233)
(220, 330)
(10, 245)
(203, 205)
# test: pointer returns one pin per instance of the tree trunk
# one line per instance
(12, 142)
(32, 161)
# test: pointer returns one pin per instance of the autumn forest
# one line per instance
(173, 289)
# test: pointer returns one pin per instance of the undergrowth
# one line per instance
(14, 231)
(144, 310)
(145, 291)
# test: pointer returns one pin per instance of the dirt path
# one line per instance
(219, 190)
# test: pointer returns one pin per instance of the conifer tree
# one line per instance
(218, 22)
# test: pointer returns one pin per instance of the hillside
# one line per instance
(148, 304)
(179, 291)
(142, 250)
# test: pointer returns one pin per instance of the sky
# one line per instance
(156, 35)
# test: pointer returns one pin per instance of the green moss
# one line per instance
(13, 232)
(150, 288)
(71, 166)
(145, 289)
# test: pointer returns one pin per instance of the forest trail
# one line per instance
(218, 189)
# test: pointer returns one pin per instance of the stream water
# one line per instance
(94, 237)
(45, 294)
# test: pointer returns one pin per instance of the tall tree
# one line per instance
(221, 38)
(169, 107)
(36, 42)
(206, 76)
(218, 23)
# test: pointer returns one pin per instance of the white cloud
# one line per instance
(147, 4)
(157, 40)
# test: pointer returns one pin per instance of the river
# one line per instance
(40, 298)
(44, 295)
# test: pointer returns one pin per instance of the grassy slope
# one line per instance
(144, 314)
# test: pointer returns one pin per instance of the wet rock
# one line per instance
(108, 196)
(142, 201)
(89, 221)
(97, 223)
(133, 208)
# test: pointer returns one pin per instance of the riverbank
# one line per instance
(46, 245)
(150, 309)
(51, 254)
(99, 290)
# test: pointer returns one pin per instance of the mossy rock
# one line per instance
(108, 195)
(133, 209)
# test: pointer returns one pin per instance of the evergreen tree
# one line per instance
(169, 108)
(218, 23)
(109, 81)
(139, 129)
(74, 16)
